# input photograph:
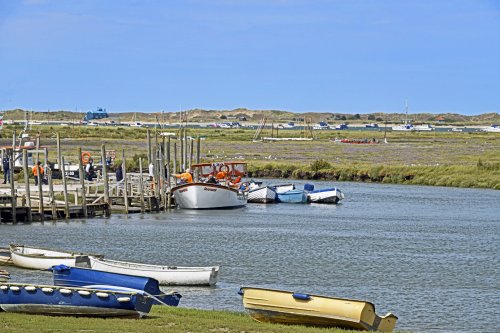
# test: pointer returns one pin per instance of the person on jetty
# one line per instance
(6, 169)
(186, 177)
(211, 179)
(89, 169)
(35, 169)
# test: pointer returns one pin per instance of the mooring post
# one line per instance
(51, 193)
(12, 189)
(82, 182)
(185, 165)
(125, 183)
(106, 181)
(141, 186)
(13, 141)
(148, 139)
(198, 145)
(182, 149)
(65, 188)
(59, 155)
(27, 184)
(162, 175)
(46, 156)
(37, 154)
(175, 157)
(40, 192)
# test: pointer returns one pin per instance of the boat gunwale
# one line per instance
(71, 255)
(182, 269)
(55, 288)
(206, 185)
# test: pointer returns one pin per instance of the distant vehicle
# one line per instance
(225, 125)
(341, 127)
(492, 128)
(372, 125)
(100, 113)
(288, 125)
(321, 126)
(92, 124)
(136, 124)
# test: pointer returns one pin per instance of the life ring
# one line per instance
(224, 168)
(86, 157)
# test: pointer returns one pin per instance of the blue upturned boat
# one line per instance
(81, 277)
(57, 300)
(293, 196)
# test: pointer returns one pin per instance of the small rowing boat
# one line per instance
(41, 258)
(4, 275)
(166, 275)
(286, 307)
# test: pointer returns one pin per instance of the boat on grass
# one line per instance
(71, 301)
(221, 195)
(83, 277)
(41, 258)
(290, 308)
(328, 195)
(261, 194)
(166, 275)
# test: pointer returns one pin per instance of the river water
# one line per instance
(428, 254)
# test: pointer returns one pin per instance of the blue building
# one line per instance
(100, 113)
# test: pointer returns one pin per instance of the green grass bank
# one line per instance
(161, 319)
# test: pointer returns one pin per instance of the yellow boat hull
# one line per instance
(285, 307)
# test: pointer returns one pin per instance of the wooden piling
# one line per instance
(141, 186)
(40, 192)
(27, 184)
(65, 188)
(82, 182)
(148, 138)
(52, 199)
(37, 155)
(105, 178)
(125, 183)
(198, 146)
(182, 150)
(59, 155)
(175, 157)
(12, 190)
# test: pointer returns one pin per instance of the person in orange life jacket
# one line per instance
(185, 177)
(35, 169)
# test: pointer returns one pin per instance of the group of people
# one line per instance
(35, 170)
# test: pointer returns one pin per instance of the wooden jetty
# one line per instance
(137, 192)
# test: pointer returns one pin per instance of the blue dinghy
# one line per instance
(57, 300)
(293, 196)
(81, 277)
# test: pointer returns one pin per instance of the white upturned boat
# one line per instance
(166, 275)
(40, 258)
(261, 194)
(223, 194)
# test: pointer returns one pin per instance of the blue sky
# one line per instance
(349, 56)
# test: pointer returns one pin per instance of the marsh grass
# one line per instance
(161, 319)
(438, 158)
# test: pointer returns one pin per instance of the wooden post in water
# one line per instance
(12, 189)
(51, 193)
(27, 184)
(40, 192)
(162, 173)
(185, 165)
(141, 186)
(125, 183)
(59, 155)
(46, 156)
(148, 138)
(105, 178)
(191, 152)
(198, 146)
(175, 158)
(13, 141)
(167, 157)
(182, 149)
(37, 155)
(82, 182)
(65, 189)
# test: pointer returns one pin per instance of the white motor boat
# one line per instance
(40, 258)
(492, 128)
(224, 193)
(423, 128)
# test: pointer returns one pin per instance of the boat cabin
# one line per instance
(222, 171)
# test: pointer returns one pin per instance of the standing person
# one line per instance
(119, 173)
(37, 167)
(89, 169)
(185, 177)
(6, 169)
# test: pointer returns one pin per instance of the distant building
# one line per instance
(440, 119)
(100, 113)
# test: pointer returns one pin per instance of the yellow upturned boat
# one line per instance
(286, 307)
